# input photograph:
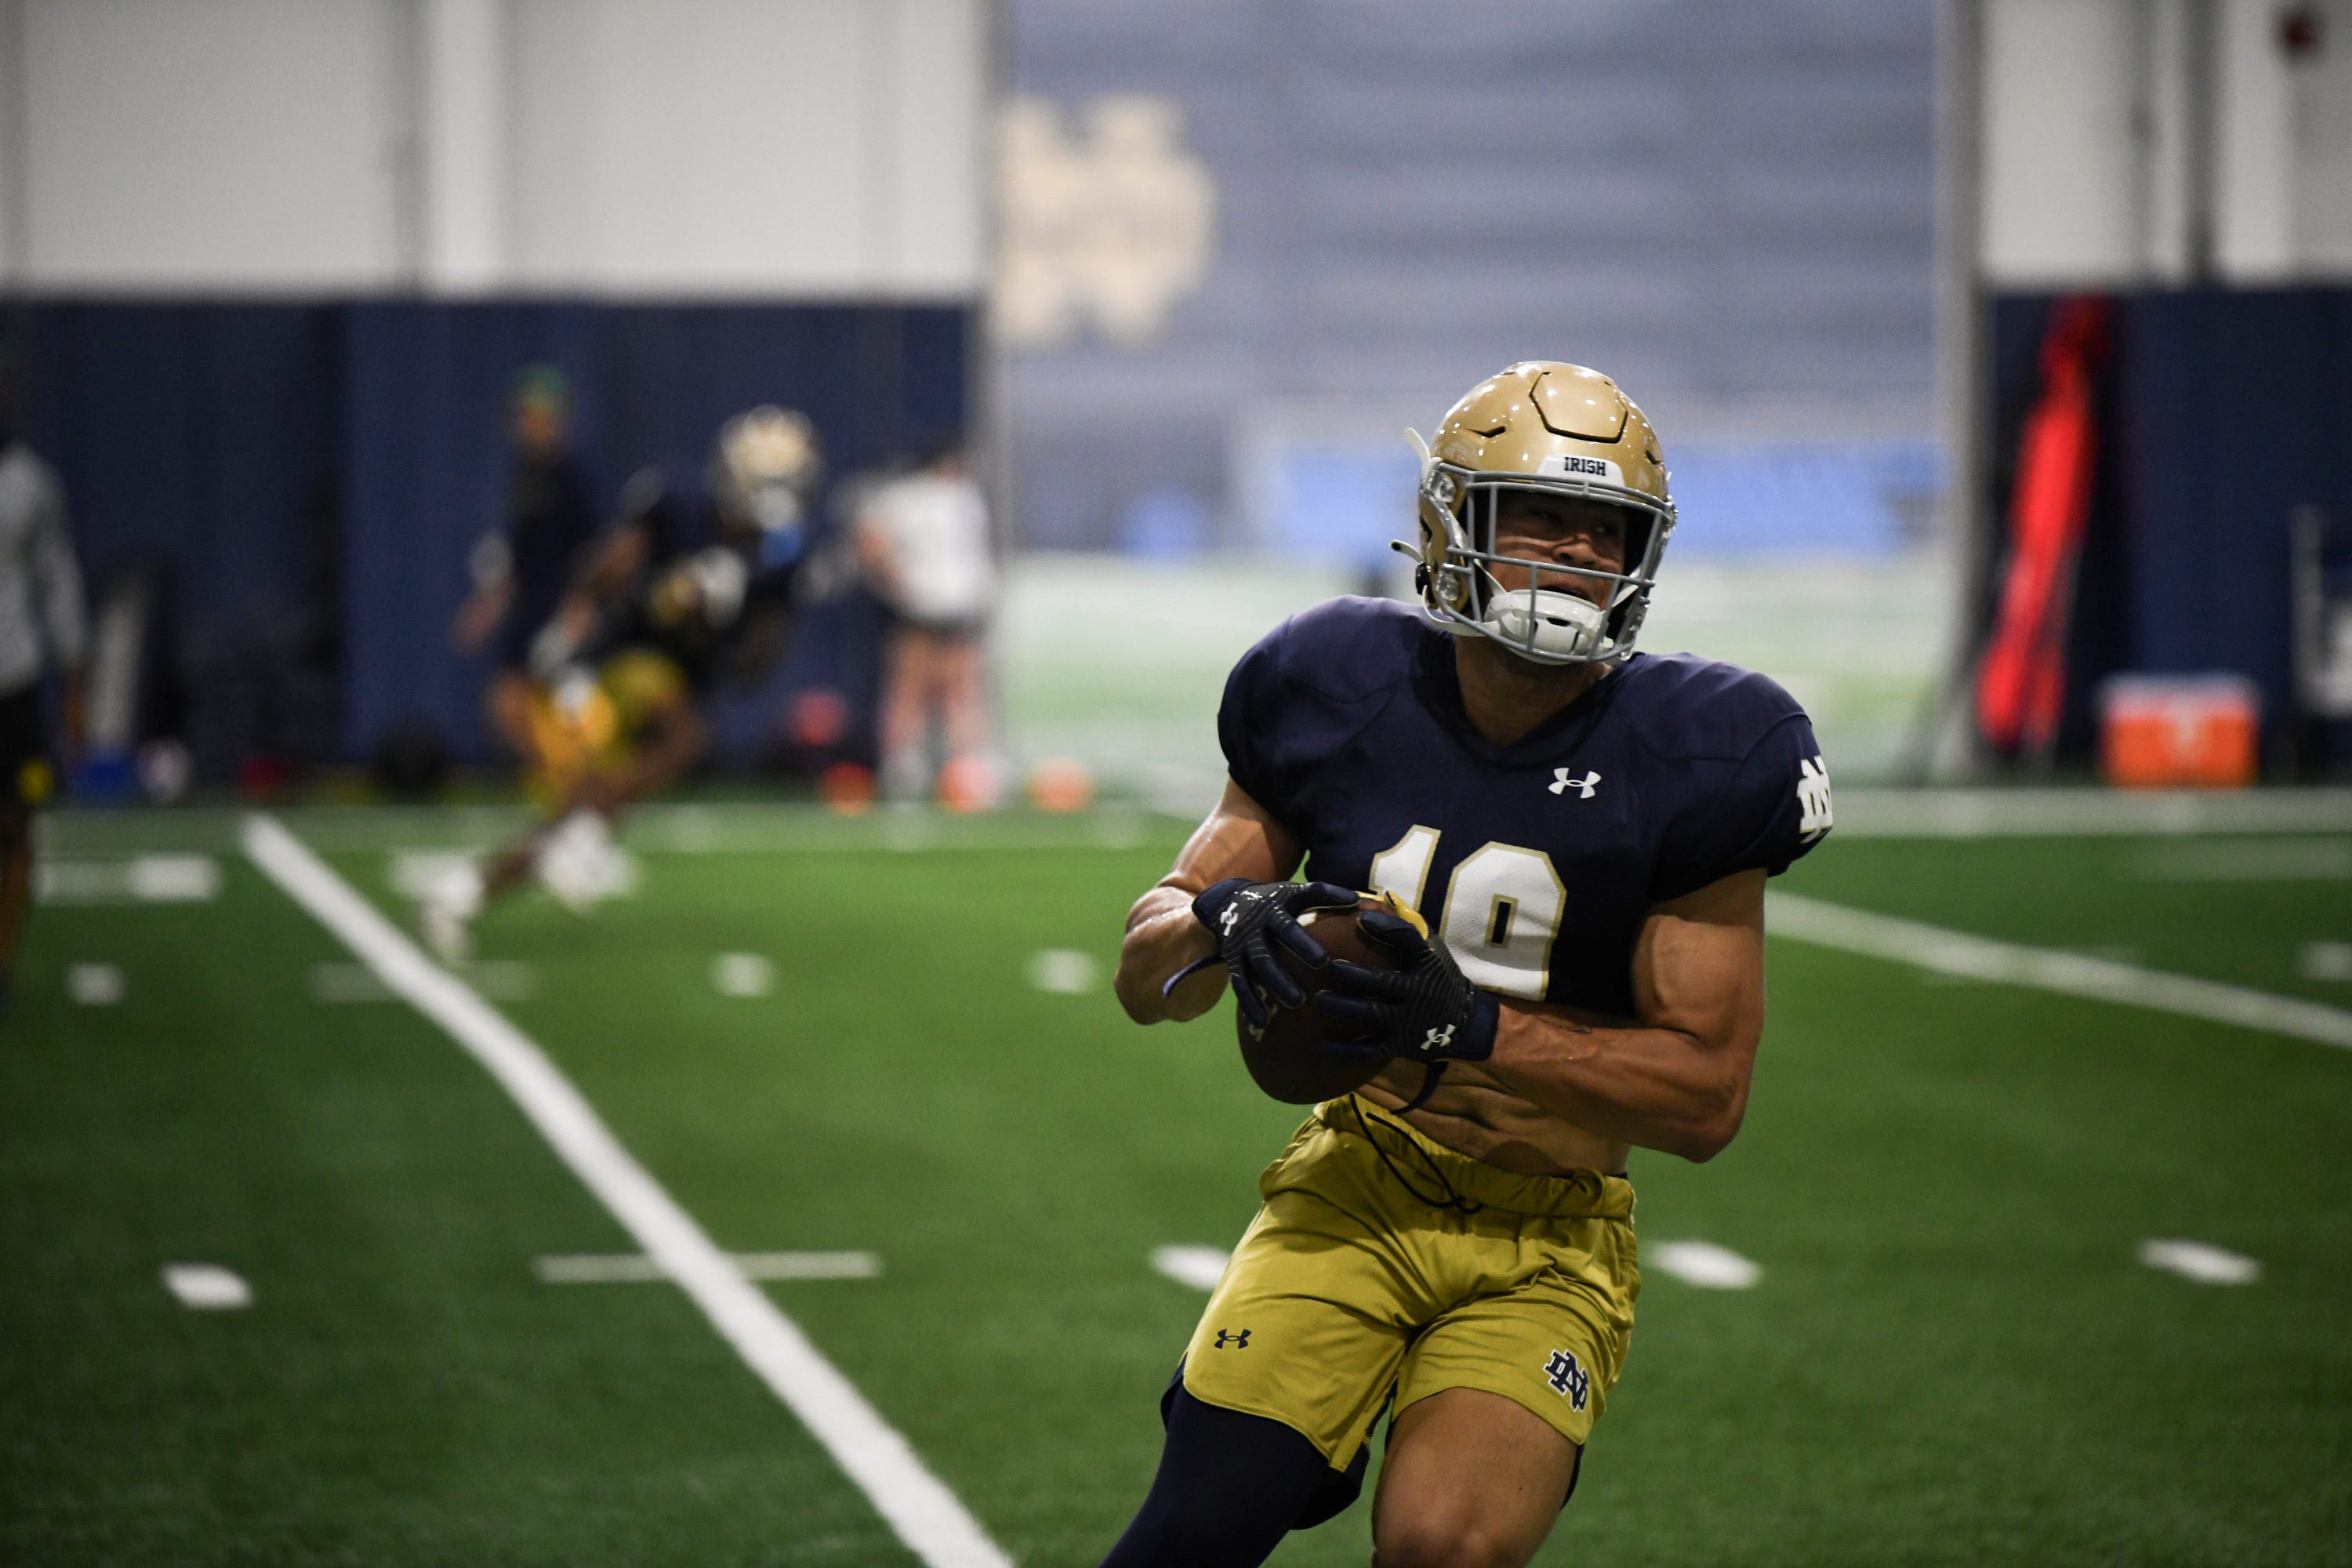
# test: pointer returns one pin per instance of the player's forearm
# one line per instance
(1162, 937)
(1653, 1088)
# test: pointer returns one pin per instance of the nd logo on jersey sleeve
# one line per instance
(1813, 800)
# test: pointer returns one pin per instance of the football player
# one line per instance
(670, 597)
(1587, 830)
(41, 626)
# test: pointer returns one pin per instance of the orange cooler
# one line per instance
(2172, 731)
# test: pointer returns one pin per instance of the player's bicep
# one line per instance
(1238, 838)
(1698, 968)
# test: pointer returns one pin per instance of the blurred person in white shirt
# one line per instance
(40, 622)
(923, 543)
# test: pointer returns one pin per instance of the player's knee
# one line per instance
(1440, 1538)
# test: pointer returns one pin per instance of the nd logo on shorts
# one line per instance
(1567, 1379)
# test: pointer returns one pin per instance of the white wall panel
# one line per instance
(2323, 145)
(2061, 169)
(762, 148)
(746, 145)
(228, 144)
(2253, 196)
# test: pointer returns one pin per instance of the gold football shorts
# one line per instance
(1386, 1266)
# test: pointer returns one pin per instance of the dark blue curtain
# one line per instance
(310, 477)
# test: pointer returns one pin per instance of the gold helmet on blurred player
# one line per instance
(1542, 425)
(765, 468)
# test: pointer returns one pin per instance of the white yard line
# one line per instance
(916, 1504)
(2088, 813)
(1946, 952)
(636, 1268)
(2200, 1261)
(1703, 1264)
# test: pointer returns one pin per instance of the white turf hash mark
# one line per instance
(2196, 1260)
(636, 1268)
(1199, 1266)
(920, 1510)
(494, 980)
(206, 1287)
(1065, 972)
(96, 984)
(142, 880)
(742, 975)
(1703, 1264)
(2325, 961)
(2048, 969)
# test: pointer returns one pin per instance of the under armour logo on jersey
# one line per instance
(1567, 1378)
(1813, 799)
(1240, 1341)
(1437, 1040)
(1561, 783)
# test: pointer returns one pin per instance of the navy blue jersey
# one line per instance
(1537, 860)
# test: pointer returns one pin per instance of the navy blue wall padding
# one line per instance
(202, 437)
(2228, 410)
(255, 447)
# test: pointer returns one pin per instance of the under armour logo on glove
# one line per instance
(1436, 1040)
(1561, 783)
(1567, 1379)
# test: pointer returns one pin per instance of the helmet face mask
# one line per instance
(1555, 430)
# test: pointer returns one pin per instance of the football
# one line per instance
(1284, 1058)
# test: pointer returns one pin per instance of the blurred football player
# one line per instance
(1588, 829)
(923, 543)
(40, 622)
(522, 572)
(670, 597)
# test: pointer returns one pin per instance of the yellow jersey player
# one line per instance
(1587, 830)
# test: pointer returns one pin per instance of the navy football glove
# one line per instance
(1425, 1010)
(1247, 918)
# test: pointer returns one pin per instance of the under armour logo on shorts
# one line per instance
(1240, 1341)
(1567, 1378)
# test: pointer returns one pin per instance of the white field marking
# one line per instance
(419, 874)
(916, 1504)
(1970, 957)
(742, 975)
(2325, 961)
(495, 980)
(1199, 1266)
(2197, 1261)
(1065, 972)
(142, 879)
(206, 1287)
(1703, 1264)
(2088, 813)
(636, 1267)
(96, 984)
(2248, 860)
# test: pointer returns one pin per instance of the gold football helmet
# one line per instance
(765, 468)
(1544, 426)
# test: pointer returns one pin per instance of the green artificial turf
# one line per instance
(1952, 1358)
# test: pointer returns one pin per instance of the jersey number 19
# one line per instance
(1502, 911)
